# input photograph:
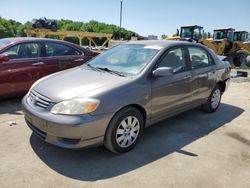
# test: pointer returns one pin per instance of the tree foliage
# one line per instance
(12, 28)
(163, 36)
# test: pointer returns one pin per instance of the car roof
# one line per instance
(27, 39)
(34, 39)
(164, 43)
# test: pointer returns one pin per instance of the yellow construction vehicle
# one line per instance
(222, 43)
(241, 41)
(195, 33)
(192, 33)
(227, 42)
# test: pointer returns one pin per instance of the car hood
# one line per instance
(78, 82)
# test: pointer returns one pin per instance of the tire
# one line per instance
(213, 101)
(240, 58)
(248, 61)
(119, 132)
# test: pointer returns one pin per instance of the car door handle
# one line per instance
(38, 64)
(80, 59)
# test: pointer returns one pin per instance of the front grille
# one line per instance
(39, 100)
(42, 135)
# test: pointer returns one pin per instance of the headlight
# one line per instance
(76, 106)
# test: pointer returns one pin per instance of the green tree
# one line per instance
(163, 36)
(6, 28)
(11, 28)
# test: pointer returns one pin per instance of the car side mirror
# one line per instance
(4, 57)
(163, 71)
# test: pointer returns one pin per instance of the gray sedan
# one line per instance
(115, 96)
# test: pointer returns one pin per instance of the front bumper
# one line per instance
(66, 131)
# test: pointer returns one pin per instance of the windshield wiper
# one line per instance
(94, 68)
(106, 69)
(91, 66)
(110, 71)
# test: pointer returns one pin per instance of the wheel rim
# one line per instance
(127, 131)
(215, 101)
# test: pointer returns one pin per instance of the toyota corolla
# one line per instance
(111, 99)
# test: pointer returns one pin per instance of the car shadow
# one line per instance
(158, 141)
(11, 106)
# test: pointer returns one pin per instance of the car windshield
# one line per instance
(126, 58)
(4, 42)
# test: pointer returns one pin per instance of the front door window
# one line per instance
(24, 50)
(174, 59)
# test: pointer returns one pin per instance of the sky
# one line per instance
(145, 17)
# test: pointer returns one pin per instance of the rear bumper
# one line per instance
(65, 130)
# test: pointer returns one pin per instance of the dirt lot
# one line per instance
(194, 149)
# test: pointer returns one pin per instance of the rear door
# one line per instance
(48, 60)
(21, 71)
(172, 93)
(60, 56)
(203, 73)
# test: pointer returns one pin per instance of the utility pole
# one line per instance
(120, 32)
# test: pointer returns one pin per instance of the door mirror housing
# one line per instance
(4, 57)
(163, 71)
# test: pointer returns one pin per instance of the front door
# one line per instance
(172, 93)
(19, 73)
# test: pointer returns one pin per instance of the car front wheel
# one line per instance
(124, 130)
(213, 101)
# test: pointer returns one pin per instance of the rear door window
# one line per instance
(199, 57)
(55, 49)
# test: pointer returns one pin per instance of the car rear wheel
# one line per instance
(214, 99)
(124, 130)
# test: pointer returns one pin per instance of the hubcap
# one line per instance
(127, 131)
(215, 98)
